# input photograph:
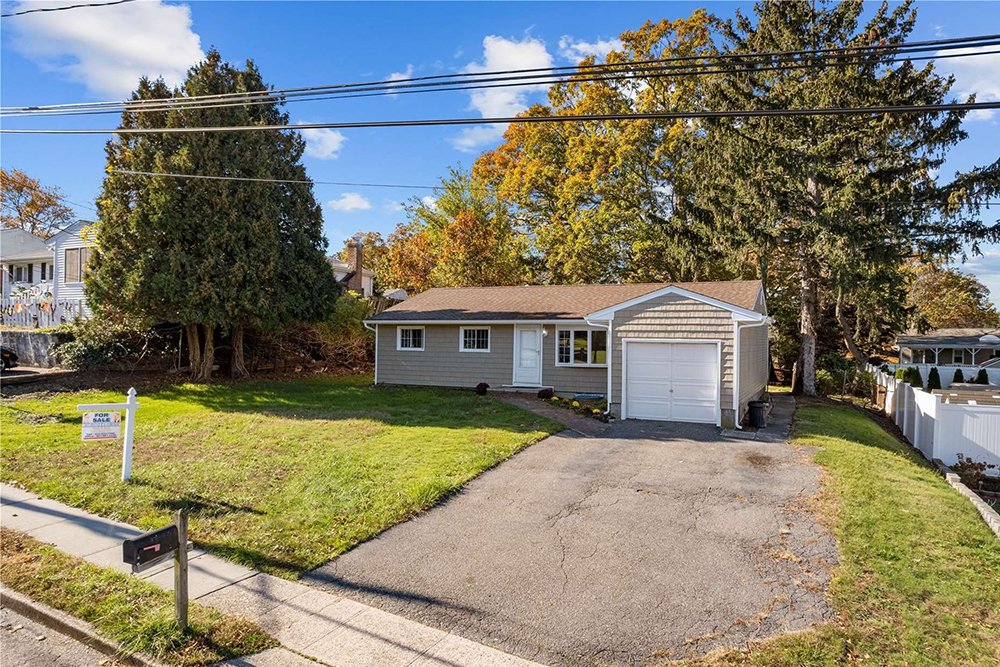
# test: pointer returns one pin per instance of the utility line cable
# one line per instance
(62, 9)
(575, 118)
(266, 97)
(873, 50)
(271, 180)
(899, 204)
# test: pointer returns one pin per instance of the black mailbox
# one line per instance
(150, 546)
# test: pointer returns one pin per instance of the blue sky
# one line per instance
(98, 53)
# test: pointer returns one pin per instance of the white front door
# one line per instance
(528, 355)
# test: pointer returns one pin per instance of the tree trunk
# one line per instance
(194, 349)
(808, 294)
(238, 368)
(208, 353)
(860, 358)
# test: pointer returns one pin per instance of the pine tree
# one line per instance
(933, 379)
(958, 378)
(210, 254)
(831, 205)
(982, 377)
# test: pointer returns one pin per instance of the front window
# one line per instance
(475, 339)
(410, 338)
(959, 357)
(581, 347)
(76, 264)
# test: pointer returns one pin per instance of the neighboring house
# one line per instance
(72, 250)
(951, 347)
(363, 281)
(691, 352)
(25, 263)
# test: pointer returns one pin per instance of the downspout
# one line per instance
(610, 354)
(737, 329)
(375, 330)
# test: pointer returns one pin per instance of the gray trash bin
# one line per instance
(758, 414)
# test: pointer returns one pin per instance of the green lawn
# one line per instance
(919, 575)
(281, 475)
(136, 614)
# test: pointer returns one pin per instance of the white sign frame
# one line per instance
(129, 406)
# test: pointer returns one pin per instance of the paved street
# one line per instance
(24, 643)
(647, 543)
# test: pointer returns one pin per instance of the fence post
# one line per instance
(936, 432)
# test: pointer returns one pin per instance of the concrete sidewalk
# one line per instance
(319, 625)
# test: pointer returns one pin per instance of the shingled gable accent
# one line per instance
(740, 314)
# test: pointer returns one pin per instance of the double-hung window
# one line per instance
(474, 339)
(76, 263)
(958, 357)
(581, 347)
(410, 338)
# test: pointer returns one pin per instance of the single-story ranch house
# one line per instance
(692, 352)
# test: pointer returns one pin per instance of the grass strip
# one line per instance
(134, 613)
(280, 476)
(919, 576)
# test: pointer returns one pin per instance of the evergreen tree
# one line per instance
(933, 379)
(830, 205)
(958, 376)
(210, 254)
(982, 377)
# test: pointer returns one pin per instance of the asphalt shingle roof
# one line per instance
(548, 302)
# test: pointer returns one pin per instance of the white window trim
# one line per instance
(399, 339)
(590, 332)
(461, 338)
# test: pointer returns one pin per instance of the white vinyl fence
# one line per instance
(39, 312)
(939, 428)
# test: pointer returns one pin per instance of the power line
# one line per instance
(267, 97)
(271, 180)
(888, 202)
(525, 74)
(62, 9)
(581, 118)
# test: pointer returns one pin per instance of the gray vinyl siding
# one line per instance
(754, 364)
(679, 318)
(570, 379)
(441, 364)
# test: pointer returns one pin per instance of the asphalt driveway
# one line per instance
(648, 543)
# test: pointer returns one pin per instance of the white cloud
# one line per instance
(429, 202)
(108, 49)
(323, 143)
(976, 74)
(399, 76)
(500, 53)
(576, 50)
(349, 201)
(395, 207)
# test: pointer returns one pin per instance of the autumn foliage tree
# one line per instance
(946, 298)
(466, 236)
(597, 196)
(27, 204)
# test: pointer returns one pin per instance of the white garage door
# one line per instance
(672, 381)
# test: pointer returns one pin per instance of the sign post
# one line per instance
(158, 546)
(102, 422)
(181, 571)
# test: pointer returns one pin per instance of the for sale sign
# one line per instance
(102, 425)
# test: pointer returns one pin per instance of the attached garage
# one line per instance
(672, 381)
